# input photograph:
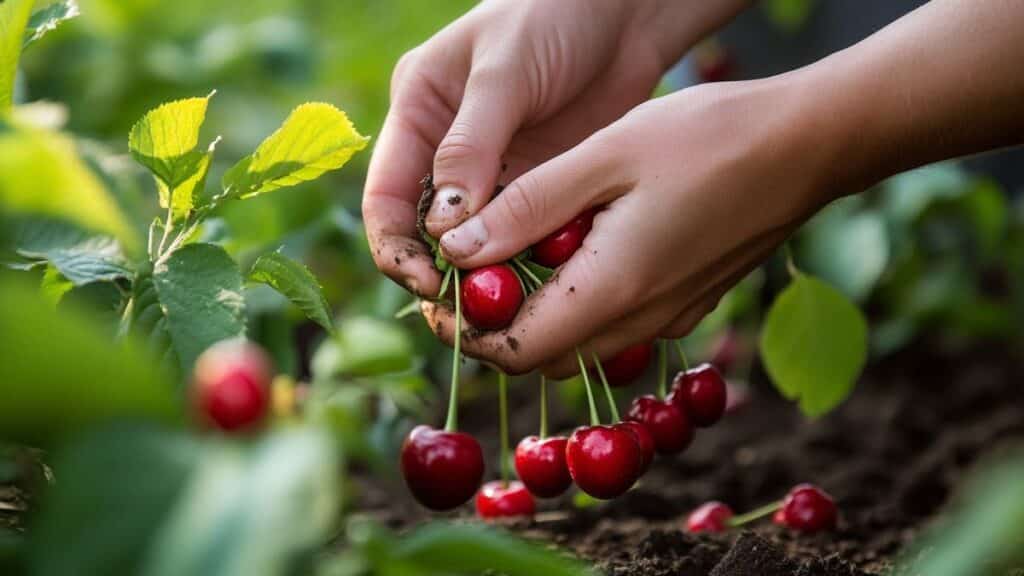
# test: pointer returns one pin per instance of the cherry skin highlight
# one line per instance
(626, 366)
(541, 465)
(808, 508)
(644, 441)
(709, 517)
(603, 460)
(491, 297)
(668, 425)
(231, 385)
(560, 245)
(701, 392)
(504, 500)
(442, 469)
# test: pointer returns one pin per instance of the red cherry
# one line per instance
(701, 392)
(808, 508)
(231, 385)
(442, 469)
(709, 517)
(668, 425)
(560, 245)
(628, 365)
(603, 460)
(504, 500)
(644, 441)
(726, 350)
(779, 517)
(541, 465)
(491, 297)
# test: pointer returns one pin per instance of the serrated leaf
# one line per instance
(49, 18)
(187, 194)
(814, 344)
(315, 139)
(79, 257)
(200, 292)
(296, 283)
(14, 17)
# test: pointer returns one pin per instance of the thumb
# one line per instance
(536, 204)
(468, 160)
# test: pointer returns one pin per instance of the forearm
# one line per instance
(676, 25)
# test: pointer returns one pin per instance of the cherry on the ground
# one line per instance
(644, 441)
(541, 465)
(603, 460)
(668, 424)
(499, 499)
(560, 245)
(231, 385)
(491, 297)
(442, 469)
(626, 366)
(709, 517)
(701, 392)
(807, 508)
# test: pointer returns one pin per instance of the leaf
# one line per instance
(54, 285)
(789, 15)
(847, 248)
(200, 291)
(49, 18)
(188, 194)
(79, 256)
(907, 195)
(61, 375)
(315, 139)
(364, 346)
(14, 16)
(814, 344)
(295, 282)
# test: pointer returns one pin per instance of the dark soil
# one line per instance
(892, 456)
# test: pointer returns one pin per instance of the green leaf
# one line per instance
(49, 18)
(61, 375)
(200, 291)
(364, 346)
(14, 16)
(814, 344)
(848, 248)
(789, 15)
(295, 282)
(315, 139)
(907, 195)
(79, 256)
(54, 285)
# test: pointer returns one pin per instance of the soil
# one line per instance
(892, 456)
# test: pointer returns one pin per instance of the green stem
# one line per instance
(595, 420)
(662, 369)
(607, 390)
(755, 514)
(682, 355)
(543, 407)
(529, 273)
(503, 423)
(453, 399)
(790, 263)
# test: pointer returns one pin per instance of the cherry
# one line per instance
(726, 350)
(541, 465)
(231, 385)
(603, 460)
(701, 392)
(807, 508)
(560, 245)
(709, 517)
(644, 441)
(500, 499)
(667, 423)
(442, 469)
(491, 297)
(628, 365)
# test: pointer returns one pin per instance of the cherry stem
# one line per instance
(755, 514)
(595, 420)
(607, 390)
(682, 355)
(790, 263)
(662, 369)
(452, 423)
(503, 423)
(543, 407)
(529, 273)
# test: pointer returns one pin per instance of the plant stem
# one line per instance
(169, 224)
(543, 407)
(125, 325)
(682, 355)
(503, 423)
(790, 263)
(755, 514)
(529, 273)
(607, 390)
(453, 399)
(662, 369)
(594, 418)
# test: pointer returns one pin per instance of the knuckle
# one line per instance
(404, 66)
(458, 146)
(523, 203)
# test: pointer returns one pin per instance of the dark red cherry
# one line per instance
(808, 508)
(668, 425)
(644, 441)
(442, 469)
(491, 297)
(628, 365)
(709, 517)
(504, 500)
(701, 392)
(560, 245)
(541, 465)
(603, 460)
(231, 385)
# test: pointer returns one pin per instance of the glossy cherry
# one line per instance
(560, 245)
(668, 424)
(628, 365)
(603, 460)
(807, 508)
(701, 392)
(231, 385)
(500, 499)
(709, 517)
(491, 297)
(541, 465)
(442, 469)
(644, 441)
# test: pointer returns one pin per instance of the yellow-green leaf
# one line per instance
(185, 194)
(14, 16)
(315, 139)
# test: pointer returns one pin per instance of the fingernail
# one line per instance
(450, 206)
(465, 240)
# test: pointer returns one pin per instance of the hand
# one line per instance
(696, 189)
(513, 82)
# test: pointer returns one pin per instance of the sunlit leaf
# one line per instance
(14, 17)
(295, 282)
(49, 18)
